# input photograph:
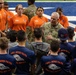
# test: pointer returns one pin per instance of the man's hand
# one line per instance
(49, 37)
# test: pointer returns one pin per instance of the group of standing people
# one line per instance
(30, 44)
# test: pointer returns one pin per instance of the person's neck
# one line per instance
(52, 53)
(38, 40)
(21, 44)
(40, 16)
(20, 15)
(3, 51)
(70, 40)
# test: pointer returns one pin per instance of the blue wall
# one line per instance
(69, 8)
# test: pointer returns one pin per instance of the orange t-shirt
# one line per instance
(9, 16)
(64, 21)
(19, 22)
(36, 21)
(3, 19)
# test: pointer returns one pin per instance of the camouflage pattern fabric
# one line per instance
(30, 11)
(30, 35)
(48, 29)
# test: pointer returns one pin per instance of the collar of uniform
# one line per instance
(57, 26)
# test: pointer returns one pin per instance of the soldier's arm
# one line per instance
(50, 37)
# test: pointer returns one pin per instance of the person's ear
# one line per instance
(59, 50)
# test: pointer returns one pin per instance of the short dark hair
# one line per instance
(3, 43)
(55, 44)
(32, 1)
(12, 35)
(21, 36)
(38, 32)
(70, 32)
(39, 7)
(59, 9)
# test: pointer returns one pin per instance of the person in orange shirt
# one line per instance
(19, 21)
(9, 13)
(3, 16)
(62, 19)
(38, 20)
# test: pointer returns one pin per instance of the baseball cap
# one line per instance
(63, 34)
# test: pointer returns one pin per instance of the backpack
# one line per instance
(40, 49)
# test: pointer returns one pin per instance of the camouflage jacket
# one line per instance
(30, 11)
(51, 30)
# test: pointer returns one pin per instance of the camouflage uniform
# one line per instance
(48, 29)
(30, 12)
(30, 35)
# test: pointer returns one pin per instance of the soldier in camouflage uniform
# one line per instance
(31, 9)
(51, 28)
(30, 12)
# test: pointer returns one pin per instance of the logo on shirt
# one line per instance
(18, 58)
(17, 55)
(3, 67)
(36, 20)
(16, 20)
(62, 20)
(9, 16)
(53, 67)
(62, 54)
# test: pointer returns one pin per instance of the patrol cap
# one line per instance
(63, 34)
